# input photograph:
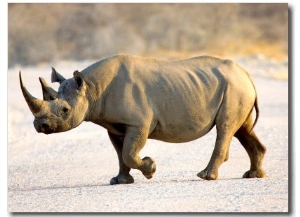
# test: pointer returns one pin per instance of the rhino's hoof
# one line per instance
(204, 174)
(149, 167)
(121, 180)
(254, 174)
(148, 175)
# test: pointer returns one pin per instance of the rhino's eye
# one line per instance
(65, 110)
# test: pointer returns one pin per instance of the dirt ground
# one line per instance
(70, 172)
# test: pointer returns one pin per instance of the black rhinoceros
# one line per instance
(174, 101)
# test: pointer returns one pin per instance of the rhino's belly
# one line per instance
(185, 119)
(180, 133)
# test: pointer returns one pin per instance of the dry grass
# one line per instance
(49, 32)
(243, 48)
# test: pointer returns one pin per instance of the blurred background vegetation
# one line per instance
(45, 32)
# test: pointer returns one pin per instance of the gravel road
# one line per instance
(70, 172)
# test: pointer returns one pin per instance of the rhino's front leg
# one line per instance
(134, 141)
(123, 177)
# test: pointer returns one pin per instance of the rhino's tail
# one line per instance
(257, 114)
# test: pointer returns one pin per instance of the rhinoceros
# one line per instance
(136, 98)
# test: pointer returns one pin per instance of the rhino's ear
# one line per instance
(48, 92)
(79, 79)
(56, 77)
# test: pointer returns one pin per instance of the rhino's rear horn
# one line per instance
(34, 104)
(48, 92)
(56, 77)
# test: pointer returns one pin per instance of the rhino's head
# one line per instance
(58, 111)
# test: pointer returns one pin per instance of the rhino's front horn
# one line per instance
(33, 103)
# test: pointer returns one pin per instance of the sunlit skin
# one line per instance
(136, 99)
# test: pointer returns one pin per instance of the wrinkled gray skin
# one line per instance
(136, 99)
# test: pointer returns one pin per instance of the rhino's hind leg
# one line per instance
(219, 155)
(212, 174)
(123, 177)
(232, 114)
(134, 141)
(255, 149)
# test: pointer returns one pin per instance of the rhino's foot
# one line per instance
(207, 175)
(149, 167)
(121, 179)
(259, 173)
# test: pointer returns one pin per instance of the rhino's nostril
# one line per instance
(44, 127)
